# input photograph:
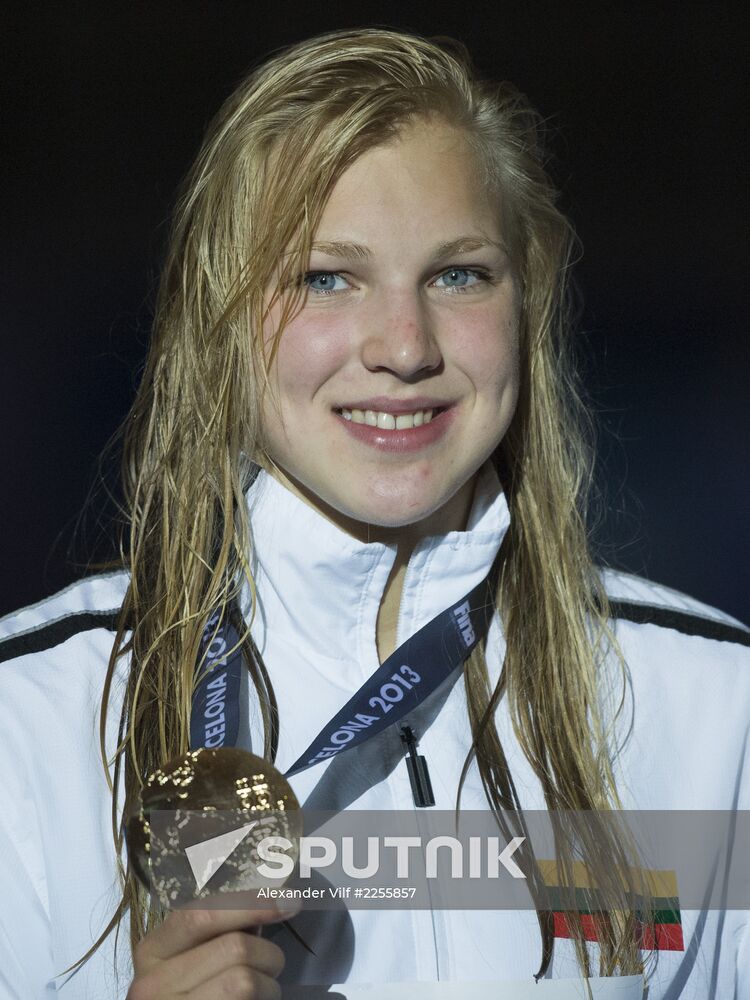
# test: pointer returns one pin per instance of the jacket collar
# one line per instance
(319, 589)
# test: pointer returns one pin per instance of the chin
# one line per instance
(395, 511)
(394, 519)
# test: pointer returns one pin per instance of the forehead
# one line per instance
(428, 176)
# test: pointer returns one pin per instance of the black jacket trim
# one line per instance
(47, 636)
(679, 621)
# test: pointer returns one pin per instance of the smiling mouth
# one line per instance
(390, 421)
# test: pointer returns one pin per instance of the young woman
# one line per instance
(358, 405)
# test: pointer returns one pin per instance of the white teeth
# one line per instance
(388, 421)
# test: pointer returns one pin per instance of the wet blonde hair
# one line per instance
(244, 222)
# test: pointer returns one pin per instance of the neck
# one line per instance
(452, 517)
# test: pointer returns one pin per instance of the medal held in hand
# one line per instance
(200, 821)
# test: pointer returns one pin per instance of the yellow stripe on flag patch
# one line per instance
(657, 882)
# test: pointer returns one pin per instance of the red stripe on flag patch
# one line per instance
(656, 937)
(661, 937)
(563, 928)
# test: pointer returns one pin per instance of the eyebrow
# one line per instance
(450, 248)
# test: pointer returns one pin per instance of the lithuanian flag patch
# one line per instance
(664, 934)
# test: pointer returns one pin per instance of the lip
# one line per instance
(405, 441)
(387, 404)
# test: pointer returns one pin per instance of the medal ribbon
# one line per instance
(406, 678)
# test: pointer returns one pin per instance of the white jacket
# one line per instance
(319, 592)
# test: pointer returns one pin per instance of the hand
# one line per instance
(210, 953)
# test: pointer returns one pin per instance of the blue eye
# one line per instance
(325, 280)
(460, 276)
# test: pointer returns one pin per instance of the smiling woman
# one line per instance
(358, 432)
(394, 386)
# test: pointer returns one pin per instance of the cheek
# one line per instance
(488, 351)
(310, 351)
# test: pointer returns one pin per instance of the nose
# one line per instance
(400, 339)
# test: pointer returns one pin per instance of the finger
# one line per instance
(186, 928)
(240, 983)
(201, 965)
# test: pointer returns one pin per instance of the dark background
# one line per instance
(104, 107)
